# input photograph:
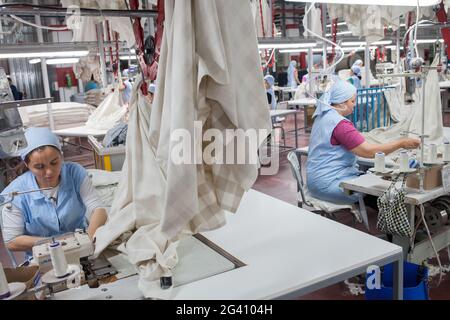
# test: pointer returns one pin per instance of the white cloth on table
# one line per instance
(12, 217)
(65, 115)
(221, 85)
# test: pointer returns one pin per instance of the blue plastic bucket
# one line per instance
(415, 283)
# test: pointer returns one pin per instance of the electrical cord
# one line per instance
(330, 68)
(37, 25)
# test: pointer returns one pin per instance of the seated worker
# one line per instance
(269, 81)
(91, 84)
(15, 92)
(335, 143)
(71, 204)
(355, 77)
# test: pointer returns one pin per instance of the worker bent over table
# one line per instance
(335, 143)
(71, 202)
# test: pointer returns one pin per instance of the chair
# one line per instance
(277, 122)
(307, 201)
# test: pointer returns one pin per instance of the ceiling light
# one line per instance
(34, 61)
(339, 24)
(353, 43)
(43, 54)
(63, 61)
(127, 58)
(409, 3)
(424, 41)
(286, 45)
(381, 43)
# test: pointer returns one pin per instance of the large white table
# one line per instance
(287, 252)
(375, 186)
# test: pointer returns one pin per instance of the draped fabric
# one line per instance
(210, 73)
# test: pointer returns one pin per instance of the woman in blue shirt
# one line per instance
(70, 203)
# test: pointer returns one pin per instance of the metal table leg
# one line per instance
(398, 280)
(296, 131)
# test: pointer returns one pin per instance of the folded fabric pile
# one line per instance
(65, 115)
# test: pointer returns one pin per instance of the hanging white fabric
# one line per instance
(108, 113)
(315, 15)
(209, 71)
(368, 21)
(411, 119)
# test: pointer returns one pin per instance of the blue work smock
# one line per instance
(41, 216)
(328, 165)
(273, 105)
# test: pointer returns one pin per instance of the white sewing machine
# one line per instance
(76, 246)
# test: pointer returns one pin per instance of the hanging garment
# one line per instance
(221, 86)
(316, 22)
(368, 21)
(108, 113)
(87, 67)
(256, 9)
(411, 120)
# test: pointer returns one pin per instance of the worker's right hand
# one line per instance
(410, 143)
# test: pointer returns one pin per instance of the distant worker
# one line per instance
(355, 77)
(151, 92)
(16, 93)
(292, 74)
(269, 82)
(91, 85)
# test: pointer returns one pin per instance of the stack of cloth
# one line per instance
(94, 97)
(65, 115)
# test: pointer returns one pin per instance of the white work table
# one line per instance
(288, 252)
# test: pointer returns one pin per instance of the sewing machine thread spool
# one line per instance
(380, 164)
(432, 153)
(59, 261)
(4, 287)
(404, 161)
(446, 155)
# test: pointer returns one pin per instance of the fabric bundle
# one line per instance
(65, 115)
(209, 71)
(108, 113)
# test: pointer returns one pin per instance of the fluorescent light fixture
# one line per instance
(381, 43)
(342, 33)
(425, 41)
(422, 3)
(339, 24)
(34, 61)
(127, 58)
(63, 61)
(353, 43)
(293, 50)
(394, 47)
(44, 54)
(286, 45)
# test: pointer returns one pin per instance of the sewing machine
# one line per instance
(77, 246)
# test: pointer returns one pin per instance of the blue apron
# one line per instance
(327, 165)
(42, 218)
(356, 82)
(291, 77)
(273, 105)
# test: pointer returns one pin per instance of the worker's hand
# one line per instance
(410, 143)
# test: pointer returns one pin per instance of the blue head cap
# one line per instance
(358, 63)
(270, 79)
(341, 91)
(39, 137)
(356, 70)
(152, 88)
